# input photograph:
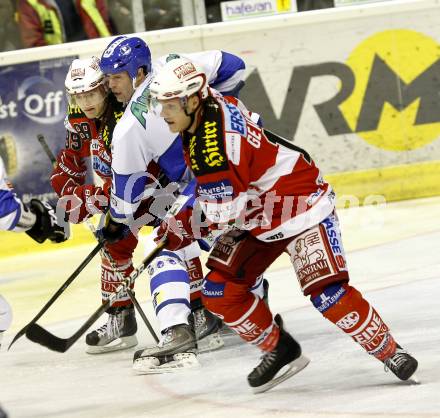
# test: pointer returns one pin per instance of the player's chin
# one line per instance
(119, 97)
(172, 126)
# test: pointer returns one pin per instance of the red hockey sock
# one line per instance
(241, 310)
(195, 271)
(344, 306)
(110, 280)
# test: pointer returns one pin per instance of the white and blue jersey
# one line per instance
(142, 137)
(10, 206)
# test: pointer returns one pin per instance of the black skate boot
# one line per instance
(401, 364)
(207, 329)
(118, 333)
(175, 351)
(287, 352)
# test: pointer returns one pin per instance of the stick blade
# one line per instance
(19, 335)
(41, 336)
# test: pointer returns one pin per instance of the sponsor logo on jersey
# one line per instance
(348, 321)
(328, 298)
(216, 190)
(101, 167)
(213, 290)
(206, 149)
(235, 120)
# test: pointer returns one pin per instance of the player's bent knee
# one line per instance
(340, 301)
(328, 296)
(225, 297)
(213, 292)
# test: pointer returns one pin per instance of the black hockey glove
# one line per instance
(46, 225)
(112, 231)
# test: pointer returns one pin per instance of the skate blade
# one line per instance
(413, 380)
(210, 343)
(116, 345)
(294, 367)
(151, 365)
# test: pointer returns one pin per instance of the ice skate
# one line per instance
(118, 333)
(207, 329)
(287, 353)
(175, 351)
(402, 364)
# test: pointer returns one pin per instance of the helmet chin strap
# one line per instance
(192, 115)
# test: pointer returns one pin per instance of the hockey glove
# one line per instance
(84, 202)
(69, 172)
(181, 230)
(46, 225)
(112, 231)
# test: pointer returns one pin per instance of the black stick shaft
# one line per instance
(46, 149)
(57, 294)
(39, 335)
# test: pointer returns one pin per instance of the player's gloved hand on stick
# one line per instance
(46, 225)
(69, 163)
(112, 231)
(181, 230)
(82, 202)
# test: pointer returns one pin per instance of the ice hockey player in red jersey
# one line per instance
(92, 115)
(269, 197)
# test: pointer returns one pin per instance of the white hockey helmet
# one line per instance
(84, 75)
(179, 78)
(86, 86)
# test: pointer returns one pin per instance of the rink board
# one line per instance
(357, 87)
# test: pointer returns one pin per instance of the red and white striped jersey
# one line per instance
(252, 178)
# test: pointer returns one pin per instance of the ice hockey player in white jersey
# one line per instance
(38, 220)
(139, 138)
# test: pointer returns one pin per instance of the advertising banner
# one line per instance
(32, 102)
(238, 9)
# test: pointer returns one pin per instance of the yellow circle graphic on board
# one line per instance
(393, 71)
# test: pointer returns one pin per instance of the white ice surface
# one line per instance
(398, 272)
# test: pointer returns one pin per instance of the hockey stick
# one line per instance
(39, 335)
(46, 149)
(58, 292)
(129, 291)
(50, 154)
